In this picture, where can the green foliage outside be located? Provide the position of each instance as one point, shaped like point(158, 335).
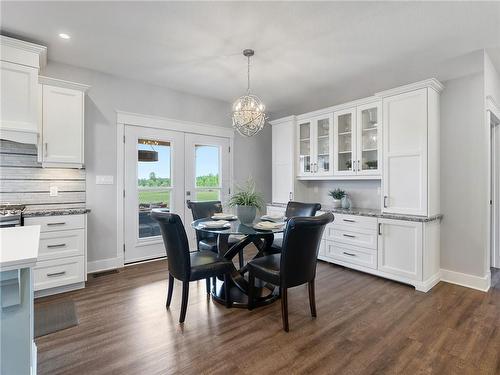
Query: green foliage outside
point(150, 191)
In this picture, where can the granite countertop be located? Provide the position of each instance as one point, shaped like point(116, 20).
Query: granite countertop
point(33, 212)
point(371, 213)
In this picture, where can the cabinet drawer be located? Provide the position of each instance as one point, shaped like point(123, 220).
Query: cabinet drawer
point(61, 244)
point(53, 223)
point(353, 221)
point(352, 254)
point(58, 272)
point(354, 236)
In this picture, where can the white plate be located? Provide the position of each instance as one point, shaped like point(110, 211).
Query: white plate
point(267, 225)
point(274, 218)
point(215, 224)
point(223, 217)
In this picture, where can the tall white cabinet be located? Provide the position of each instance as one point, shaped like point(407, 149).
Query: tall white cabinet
point(283, 156)
point(410, 183)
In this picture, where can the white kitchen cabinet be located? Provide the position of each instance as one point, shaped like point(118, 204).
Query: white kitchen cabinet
point(400, 248)
point(283, 156)
point(19, 65)
point(410, 181)
point(315, 146)
point(358, 140)
point(62, 261)
point(62, 141)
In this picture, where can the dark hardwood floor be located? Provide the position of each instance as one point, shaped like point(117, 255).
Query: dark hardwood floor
point(365, 325)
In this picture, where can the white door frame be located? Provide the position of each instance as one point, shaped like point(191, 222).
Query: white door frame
point(128, 118)
point(492, 120)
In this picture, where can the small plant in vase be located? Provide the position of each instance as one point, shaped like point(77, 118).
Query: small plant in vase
point(247, 200)
point(337, 196)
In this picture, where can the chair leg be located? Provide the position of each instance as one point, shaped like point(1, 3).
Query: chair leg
point(312, 298)
point(170, 289)
point(251, 290)
point(207, 280)
point(227, 287)
point(185, 294)
point(284, 308)
point(240, 256)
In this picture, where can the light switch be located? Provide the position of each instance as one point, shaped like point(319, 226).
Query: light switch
point(54, 191)
point(104, 180)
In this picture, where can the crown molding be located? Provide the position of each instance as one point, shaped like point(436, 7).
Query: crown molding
point(282, 120)
point(32, 48)
point(62, 83)
point(432, 83)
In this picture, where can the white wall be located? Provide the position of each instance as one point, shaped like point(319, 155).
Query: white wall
point(491, 80)
point(363, 194)
point(464, 176)
point(109, 93)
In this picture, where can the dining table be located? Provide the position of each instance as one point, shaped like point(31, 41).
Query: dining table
point(238, 282)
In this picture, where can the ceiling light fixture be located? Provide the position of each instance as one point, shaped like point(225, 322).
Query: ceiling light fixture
point(248, 110)
point(64, 36)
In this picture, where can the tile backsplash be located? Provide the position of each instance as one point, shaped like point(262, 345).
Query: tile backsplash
point(24, 181)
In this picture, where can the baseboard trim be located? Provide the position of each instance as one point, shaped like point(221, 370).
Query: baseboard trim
point(59, 289)
point(104, 265)
point(470, 281)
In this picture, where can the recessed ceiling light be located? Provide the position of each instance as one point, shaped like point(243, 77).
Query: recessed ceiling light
point(64, 36)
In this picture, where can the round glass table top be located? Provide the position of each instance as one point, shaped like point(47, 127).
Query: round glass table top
point(235, 227)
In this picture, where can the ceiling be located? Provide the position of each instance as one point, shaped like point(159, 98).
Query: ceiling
point(308, 54)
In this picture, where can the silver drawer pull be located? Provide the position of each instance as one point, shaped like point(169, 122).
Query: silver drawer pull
point(56, 274)
point(350, 254)
point(61, 223)
point(348, 235)
point(349, 220)
point(58, 245)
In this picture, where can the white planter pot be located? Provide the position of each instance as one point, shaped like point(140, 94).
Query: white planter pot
point(246, 214)
point(336, 203)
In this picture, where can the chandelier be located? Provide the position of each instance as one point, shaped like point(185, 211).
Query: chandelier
point(248, 111)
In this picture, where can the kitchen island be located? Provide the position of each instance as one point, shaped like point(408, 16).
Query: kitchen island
point(18, 255)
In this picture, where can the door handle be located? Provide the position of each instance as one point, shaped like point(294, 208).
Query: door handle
point(348, 235)
point(290, 196)
point(60, 223)
point(349, 220)
point(379, 229)
point(46, 146)
point(350, 254)
point(358, 166)
point(56, 274)
point(385, 201)
point(56, 246)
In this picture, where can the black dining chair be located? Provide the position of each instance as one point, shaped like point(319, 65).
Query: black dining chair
point(296, 265)
point(206, 240)
point(294, 209)
point(184, 265)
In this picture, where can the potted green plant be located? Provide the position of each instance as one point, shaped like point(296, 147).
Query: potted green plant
point(246, 200)
point(337, 196)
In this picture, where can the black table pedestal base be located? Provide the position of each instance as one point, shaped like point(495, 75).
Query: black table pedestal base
point(265, 295)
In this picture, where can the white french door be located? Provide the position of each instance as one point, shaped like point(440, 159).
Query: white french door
point(164, 169)
point(154, 178)
point(207, 173)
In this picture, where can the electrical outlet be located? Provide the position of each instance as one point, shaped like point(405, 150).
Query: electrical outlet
point(54, 191)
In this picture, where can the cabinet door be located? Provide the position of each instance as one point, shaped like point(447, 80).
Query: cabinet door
point(369, 139)
point(62, 125)
point(405, 153)
point(283, 156)
point(323, 144)
point(345, 142)
point(400, 248)
point(19, 102)
point(304, 148)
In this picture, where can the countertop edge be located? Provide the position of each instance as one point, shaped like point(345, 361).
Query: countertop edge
point(56, 212)
point(372, 213)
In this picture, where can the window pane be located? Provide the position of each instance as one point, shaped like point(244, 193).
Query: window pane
point(153, 183)
point(207, 195)
point(207, 166)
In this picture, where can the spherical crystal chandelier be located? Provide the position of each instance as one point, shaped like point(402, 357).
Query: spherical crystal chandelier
point(248, 111)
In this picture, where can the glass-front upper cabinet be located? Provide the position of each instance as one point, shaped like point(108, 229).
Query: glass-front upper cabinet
point(304, 134)
point(315, 145)
point(345, 142)
point(369, 148)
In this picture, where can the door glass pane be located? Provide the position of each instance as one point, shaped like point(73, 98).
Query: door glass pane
point(207, 167)
point(305, 147)
point(154, 182)
point(323, 145)
point(369, 141)
point(345, 142)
